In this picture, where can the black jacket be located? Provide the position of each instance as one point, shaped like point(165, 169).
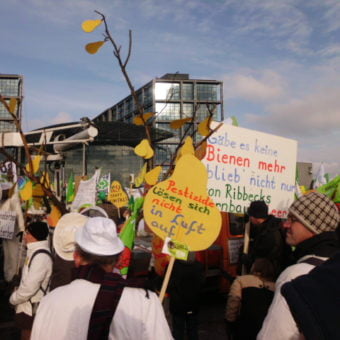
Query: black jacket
point(314, 301)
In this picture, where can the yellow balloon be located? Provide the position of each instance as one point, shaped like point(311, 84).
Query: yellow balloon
point(27, 191)
point(93, 47)
point(152, 176)
point(90, 25)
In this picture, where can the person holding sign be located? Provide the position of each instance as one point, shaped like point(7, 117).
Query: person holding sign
point(311, 224)
point(99, 304)
point(35, 277)
point(266, 238)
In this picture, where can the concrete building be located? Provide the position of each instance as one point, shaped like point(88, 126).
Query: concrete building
point(171, 97)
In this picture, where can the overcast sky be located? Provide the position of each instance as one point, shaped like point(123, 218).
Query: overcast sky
point(279, 60)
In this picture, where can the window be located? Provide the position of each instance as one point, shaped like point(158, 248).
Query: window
point(187, 91)
point(168, 111)
point(187, 110)
point(167, 91)
point(9, 87)
point(210, 92)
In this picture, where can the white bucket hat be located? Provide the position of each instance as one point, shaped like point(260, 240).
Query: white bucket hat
point(64, 234)
point(99, 237)
point(94, 211)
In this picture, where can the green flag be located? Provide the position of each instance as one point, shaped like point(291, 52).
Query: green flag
point(70, 191)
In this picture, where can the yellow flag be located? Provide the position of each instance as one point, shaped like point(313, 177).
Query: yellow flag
point(90, 25)
point(93, 47)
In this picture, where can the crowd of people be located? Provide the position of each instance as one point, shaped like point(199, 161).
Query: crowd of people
point(73, 290)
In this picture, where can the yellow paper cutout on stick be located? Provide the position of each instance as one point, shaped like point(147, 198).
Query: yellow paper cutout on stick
point(152, 176)
point(90, 25)
point(178, 123)
point(26, 192)
point(203, 127)
point(140, 177)
point(187, 148)
point(117, 195)
point(143, 149)
point(93, 47)
point(36, 164)
point(54, 216)
point(146, 116)
point(180, 207)
point(12, 105)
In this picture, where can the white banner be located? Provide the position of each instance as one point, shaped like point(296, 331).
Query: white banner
point(7, 224)
point(246, 165)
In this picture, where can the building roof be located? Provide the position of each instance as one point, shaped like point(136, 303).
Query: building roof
point(109, 133)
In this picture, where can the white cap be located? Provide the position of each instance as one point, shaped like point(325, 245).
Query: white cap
point(99, 237)
point(64, 234)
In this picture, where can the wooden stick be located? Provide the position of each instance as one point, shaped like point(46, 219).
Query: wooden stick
point(167, 278)
point(246, 244)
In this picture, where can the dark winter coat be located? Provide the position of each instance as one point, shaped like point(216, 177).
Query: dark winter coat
point(314, 301)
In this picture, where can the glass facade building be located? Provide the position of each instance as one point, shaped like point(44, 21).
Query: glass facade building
point(171, 97)
point(11, 86)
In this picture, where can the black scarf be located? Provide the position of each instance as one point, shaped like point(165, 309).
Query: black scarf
point(105, 305)
point(324, 245)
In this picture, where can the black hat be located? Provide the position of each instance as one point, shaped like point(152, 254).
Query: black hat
point(39, 230)
point(258, 209)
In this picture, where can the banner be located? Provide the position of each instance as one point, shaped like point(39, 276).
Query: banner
point(246, 165)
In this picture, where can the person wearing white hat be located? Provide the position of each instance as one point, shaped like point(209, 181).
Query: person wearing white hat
point(99, 304)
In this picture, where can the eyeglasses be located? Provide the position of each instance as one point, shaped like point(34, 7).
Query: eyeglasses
point(291, 219)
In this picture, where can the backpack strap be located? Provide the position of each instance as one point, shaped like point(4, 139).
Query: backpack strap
point(314, 261)
point(41, 251)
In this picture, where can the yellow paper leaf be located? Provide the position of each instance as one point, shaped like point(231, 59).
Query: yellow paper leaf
point(37, 190)
point(149, 153)
point(201, 150)
point(143, 149)
point(176, 124)
point(140, 177)
point(12, 105)
point(152, 176)
point(93, 47)
point(27, 191)
point(36, 164)
point(203, 127)
point(146, 116)
point(45, 179)
point(90, 25)
point(187, 147)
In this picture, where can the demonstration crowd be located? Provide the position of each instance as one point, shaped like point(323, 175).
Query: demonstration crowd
point(291, 291)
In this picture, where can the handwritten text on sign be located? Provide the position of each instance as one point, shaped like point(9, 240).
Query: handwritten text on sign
point(7, 224)
point(245, 165)
point(180, 208)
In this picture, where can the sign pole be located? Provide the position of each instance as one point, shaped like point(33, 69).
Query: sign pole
point(167, 278)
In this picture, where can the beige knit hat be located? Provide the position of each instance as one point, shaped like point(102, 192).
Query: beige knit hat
point(316, 212)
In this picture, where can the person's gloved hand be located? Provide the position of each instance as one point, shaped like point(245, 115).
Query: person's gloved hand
point(245, 259)
point(15, 282)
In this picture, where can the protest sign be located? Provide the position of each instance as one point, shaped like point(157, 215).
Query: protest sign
point(117, 195)
point(7, 224)
point(180, 208)
point(86, 193)
point(246, 165)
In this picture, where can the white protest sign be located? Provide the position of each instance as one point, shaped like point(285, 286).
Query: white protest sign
point(86, 193)
point(246, 165)
point(7, 224)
